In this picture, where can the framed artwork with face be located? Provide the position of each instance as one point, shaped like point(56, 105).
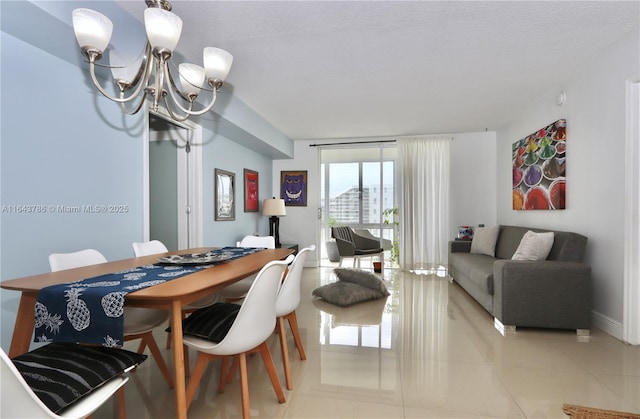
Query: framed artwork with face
point(293, 187)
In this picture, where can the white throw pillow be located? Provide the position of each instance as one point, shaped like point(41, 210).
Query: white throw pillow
point(484, 240)
point(534, 246)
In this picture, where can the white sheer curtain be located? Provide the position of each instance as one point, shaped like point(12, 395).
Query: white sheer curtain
point(423, 164)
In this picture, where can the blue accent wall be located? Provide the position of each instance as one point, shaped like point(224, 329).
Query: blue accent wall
point(66, 152)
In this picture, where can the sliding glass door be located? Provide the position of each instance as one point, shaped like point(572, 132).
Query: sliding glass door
point(358, 185)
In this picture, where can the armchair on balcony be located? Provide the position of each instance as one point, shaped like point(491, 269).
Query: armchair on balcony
point(355, 246)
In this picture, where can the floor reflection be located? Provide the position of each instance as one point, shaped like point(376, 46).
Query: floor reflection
point(426, 351)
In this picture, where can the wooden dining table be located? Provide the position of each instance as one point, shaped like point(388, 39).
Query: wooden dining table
point(171, 295)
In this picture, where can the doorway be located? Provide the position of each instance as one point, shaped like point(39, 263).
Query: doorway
point(173, 209)
point(631, 309)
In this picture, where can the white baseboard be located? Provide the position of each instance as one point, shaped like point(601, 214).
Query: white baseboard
point(607, 325)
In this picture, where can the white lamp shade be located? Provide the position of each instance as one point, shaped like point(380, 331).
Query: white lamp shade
point(217, 63)
point(93, 30)
point(191, 78)
point(163, 28)
point(273, 207)
point(123, 66)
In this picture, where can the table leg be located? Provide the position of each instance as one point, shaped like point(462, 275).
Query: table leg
point(178, 360)
point(25, 323)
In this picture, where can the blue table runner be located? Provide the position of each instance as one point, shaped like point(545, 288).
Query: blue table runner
point(91, 310)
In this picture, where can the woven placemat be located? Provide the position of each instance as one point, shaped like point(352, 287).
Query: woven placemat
point(583, 412)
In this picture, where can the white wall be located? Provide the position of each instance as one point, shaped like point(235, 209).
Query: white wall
point(473, 176)
point(595, 114)
point(301, 223)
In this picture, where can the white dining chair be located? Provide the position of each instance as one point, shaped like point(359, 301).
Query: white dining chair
point(147, 248)
point(254, 323)
point(138, 322)
point(238, 290)
point(286, 304)
point(19, 401)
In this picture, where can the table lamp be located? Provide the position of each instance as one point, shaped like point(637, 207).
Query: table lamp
point(274, 208)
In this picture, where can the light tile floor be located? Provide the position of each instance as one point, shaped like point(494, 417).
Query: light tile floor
point(428, 351)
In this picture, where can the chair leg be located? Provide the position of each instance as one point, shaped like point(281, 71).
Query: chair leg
point(201, 364)
point(244, 385)
point(122, 411)
point(233, 369)
point(271, 370)
point(285, 353)
point(141, 346)
point(187, 370)
point(168, 343)
point(155, 351)
point(184, 315)
point(293, 324)
point(223, 373)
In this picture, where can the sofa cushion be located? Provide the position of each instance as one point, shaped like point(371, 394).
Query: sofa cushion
point(484, 240)
point(476, 268)
point(534, 246)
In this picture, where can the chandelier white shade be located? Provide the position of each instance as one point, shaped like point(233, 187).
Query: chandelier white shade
point(149, 74)
point(217, 63)
point(163, 29)
point(121, 69)
point(93, 30)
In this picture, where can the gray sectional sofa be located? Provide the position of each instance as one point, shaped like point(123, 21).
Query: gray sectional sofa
point(552, 293)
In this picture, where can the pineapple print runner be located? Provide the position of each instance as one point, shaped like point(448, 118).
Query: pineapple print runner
point(91, 310)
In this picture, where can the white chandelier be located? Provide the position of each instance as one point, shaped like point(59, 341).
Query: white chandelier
point(133, 76)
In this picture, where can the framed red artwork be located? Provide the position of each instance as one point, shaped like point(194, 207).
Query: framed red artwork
point(251, 199)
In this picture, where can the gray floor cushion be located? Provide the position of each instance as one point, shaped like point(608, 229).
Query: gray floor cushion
point(353, 286)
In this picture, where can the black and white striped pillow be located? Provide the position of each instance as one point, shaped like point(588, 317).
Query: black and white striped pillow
point(61, 373)
point(212, 322)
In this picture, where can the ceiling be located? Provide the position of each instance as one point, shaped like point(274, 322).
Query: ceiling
point(349, 69)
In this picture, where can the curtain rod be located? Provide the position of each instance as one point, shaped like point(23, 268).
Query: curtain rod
point(360, 142)
point(354, 142)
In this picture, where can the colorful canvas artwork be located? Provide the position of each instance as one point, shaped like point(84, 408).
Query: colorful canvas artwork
point(539, 167)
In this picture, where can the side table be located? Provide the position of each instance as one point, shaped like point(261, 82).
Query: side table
point(291, 246)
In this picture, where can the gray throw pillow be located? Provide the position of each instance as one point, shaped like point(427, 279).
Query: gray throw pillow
point(364, 278)
point(484, 240)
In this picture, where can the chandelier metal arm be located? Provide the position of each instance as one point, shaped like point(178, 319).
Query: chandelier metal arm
point(144, 72)
point(122, 98)
point(175, 116)
point(172, 89)
point(135, 109)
